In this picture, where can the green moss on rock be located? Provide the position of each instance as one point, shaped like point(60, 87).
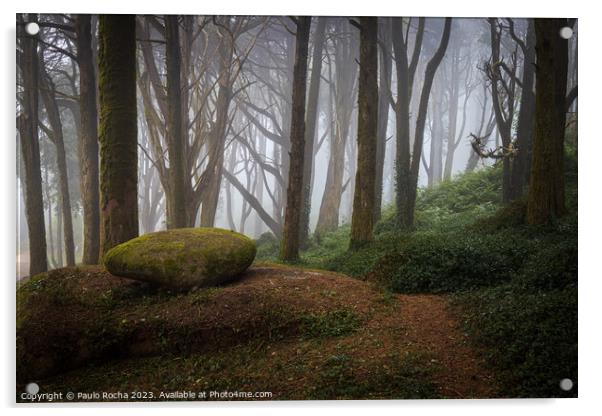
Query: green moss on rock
point(183, 258)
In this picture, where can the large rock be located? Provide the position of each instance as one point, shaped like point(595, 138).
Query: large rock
point(183, 258)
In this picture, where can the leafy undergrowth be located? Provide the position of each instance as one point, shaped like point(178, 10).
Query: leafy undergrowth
point(513, 286)
point(299, 334)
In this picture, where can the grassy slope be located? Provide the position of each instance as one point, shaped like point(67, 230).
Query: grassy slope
point(513, 286)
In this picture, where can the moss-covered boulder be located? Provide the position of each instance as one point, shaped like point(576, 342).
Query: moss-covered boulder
point(183, 258)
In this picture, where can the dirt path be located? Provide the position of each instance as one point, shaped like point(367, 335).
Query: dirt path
point(430, 325)
point(422, 323)
point(297, 332)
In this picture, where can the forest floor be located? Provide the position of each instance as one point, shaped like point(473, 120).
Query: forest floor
point(297, 333)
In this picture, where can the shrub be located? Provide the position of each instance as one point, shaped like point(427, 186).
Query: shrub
point(528, 337)
point(267, 246)
point(448, 262)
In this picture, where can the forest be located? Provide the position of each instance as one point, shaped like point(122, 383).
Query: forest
point(296, 207)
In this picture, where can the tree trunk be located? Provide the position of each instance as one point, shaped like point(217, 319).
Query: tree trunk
point(436, 153)
point(454, 98)
point(231, 168)
point(176, 200)
point(521, 163)
point(402, 122)
point(59, 237)
point(310, 127)
point(52, 111)
point(88, 143)
point(408, 200)
point(385, 71)
point(546, 190)
point(294, 193)
point(50, 233)
point(27, 124)
point(363, 197)
point(118, 130)
point(274, 226)
point(344, 92)
point(259, 189)
point(218, 134)
point(504, 121)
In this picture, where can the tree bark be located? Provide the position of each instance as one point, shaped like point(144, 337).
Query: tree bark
point(88, 143)
point(546, 187)
point(310, 126)
point(435, 173)
point(453, 107)
point(27, 124)
point(402, 121)
point(521, 163)
point(408, 187)
point(118, 130)
point(219, 131)
point(274, 226)
point(503, 118)
point(176, 201)
point(52, 111)
point(385, 71)
point(294, 194)
point(362, 220)
point(344, 95)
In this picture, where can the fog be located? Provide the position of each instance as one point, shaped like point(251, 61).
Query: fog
point(236, 82)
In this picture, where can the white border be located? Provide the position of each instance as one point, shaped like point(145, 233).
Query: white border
point(589, 196)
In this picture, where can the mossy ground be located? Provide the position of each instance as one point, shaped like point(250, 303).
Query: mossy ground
point(299, 334)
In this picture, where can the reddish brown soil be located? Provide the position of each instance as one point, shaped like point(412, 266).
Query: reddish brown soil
point(430, 325)
point(287, 361)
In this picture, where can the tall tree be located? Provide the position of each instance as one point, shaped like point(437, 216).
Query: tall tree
point(217, 138)
point(118, 129)
point(362, 220)
point(344, 91)
point(310, 124)
point(55, 134)
point(27, 124)
point(546, 186)
point(384, 75)
point(524, 132)
point(292, 217)
point(88, 143)
point(503, 94)
point(437, 131)
point(407, 164)
point(176, 200)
